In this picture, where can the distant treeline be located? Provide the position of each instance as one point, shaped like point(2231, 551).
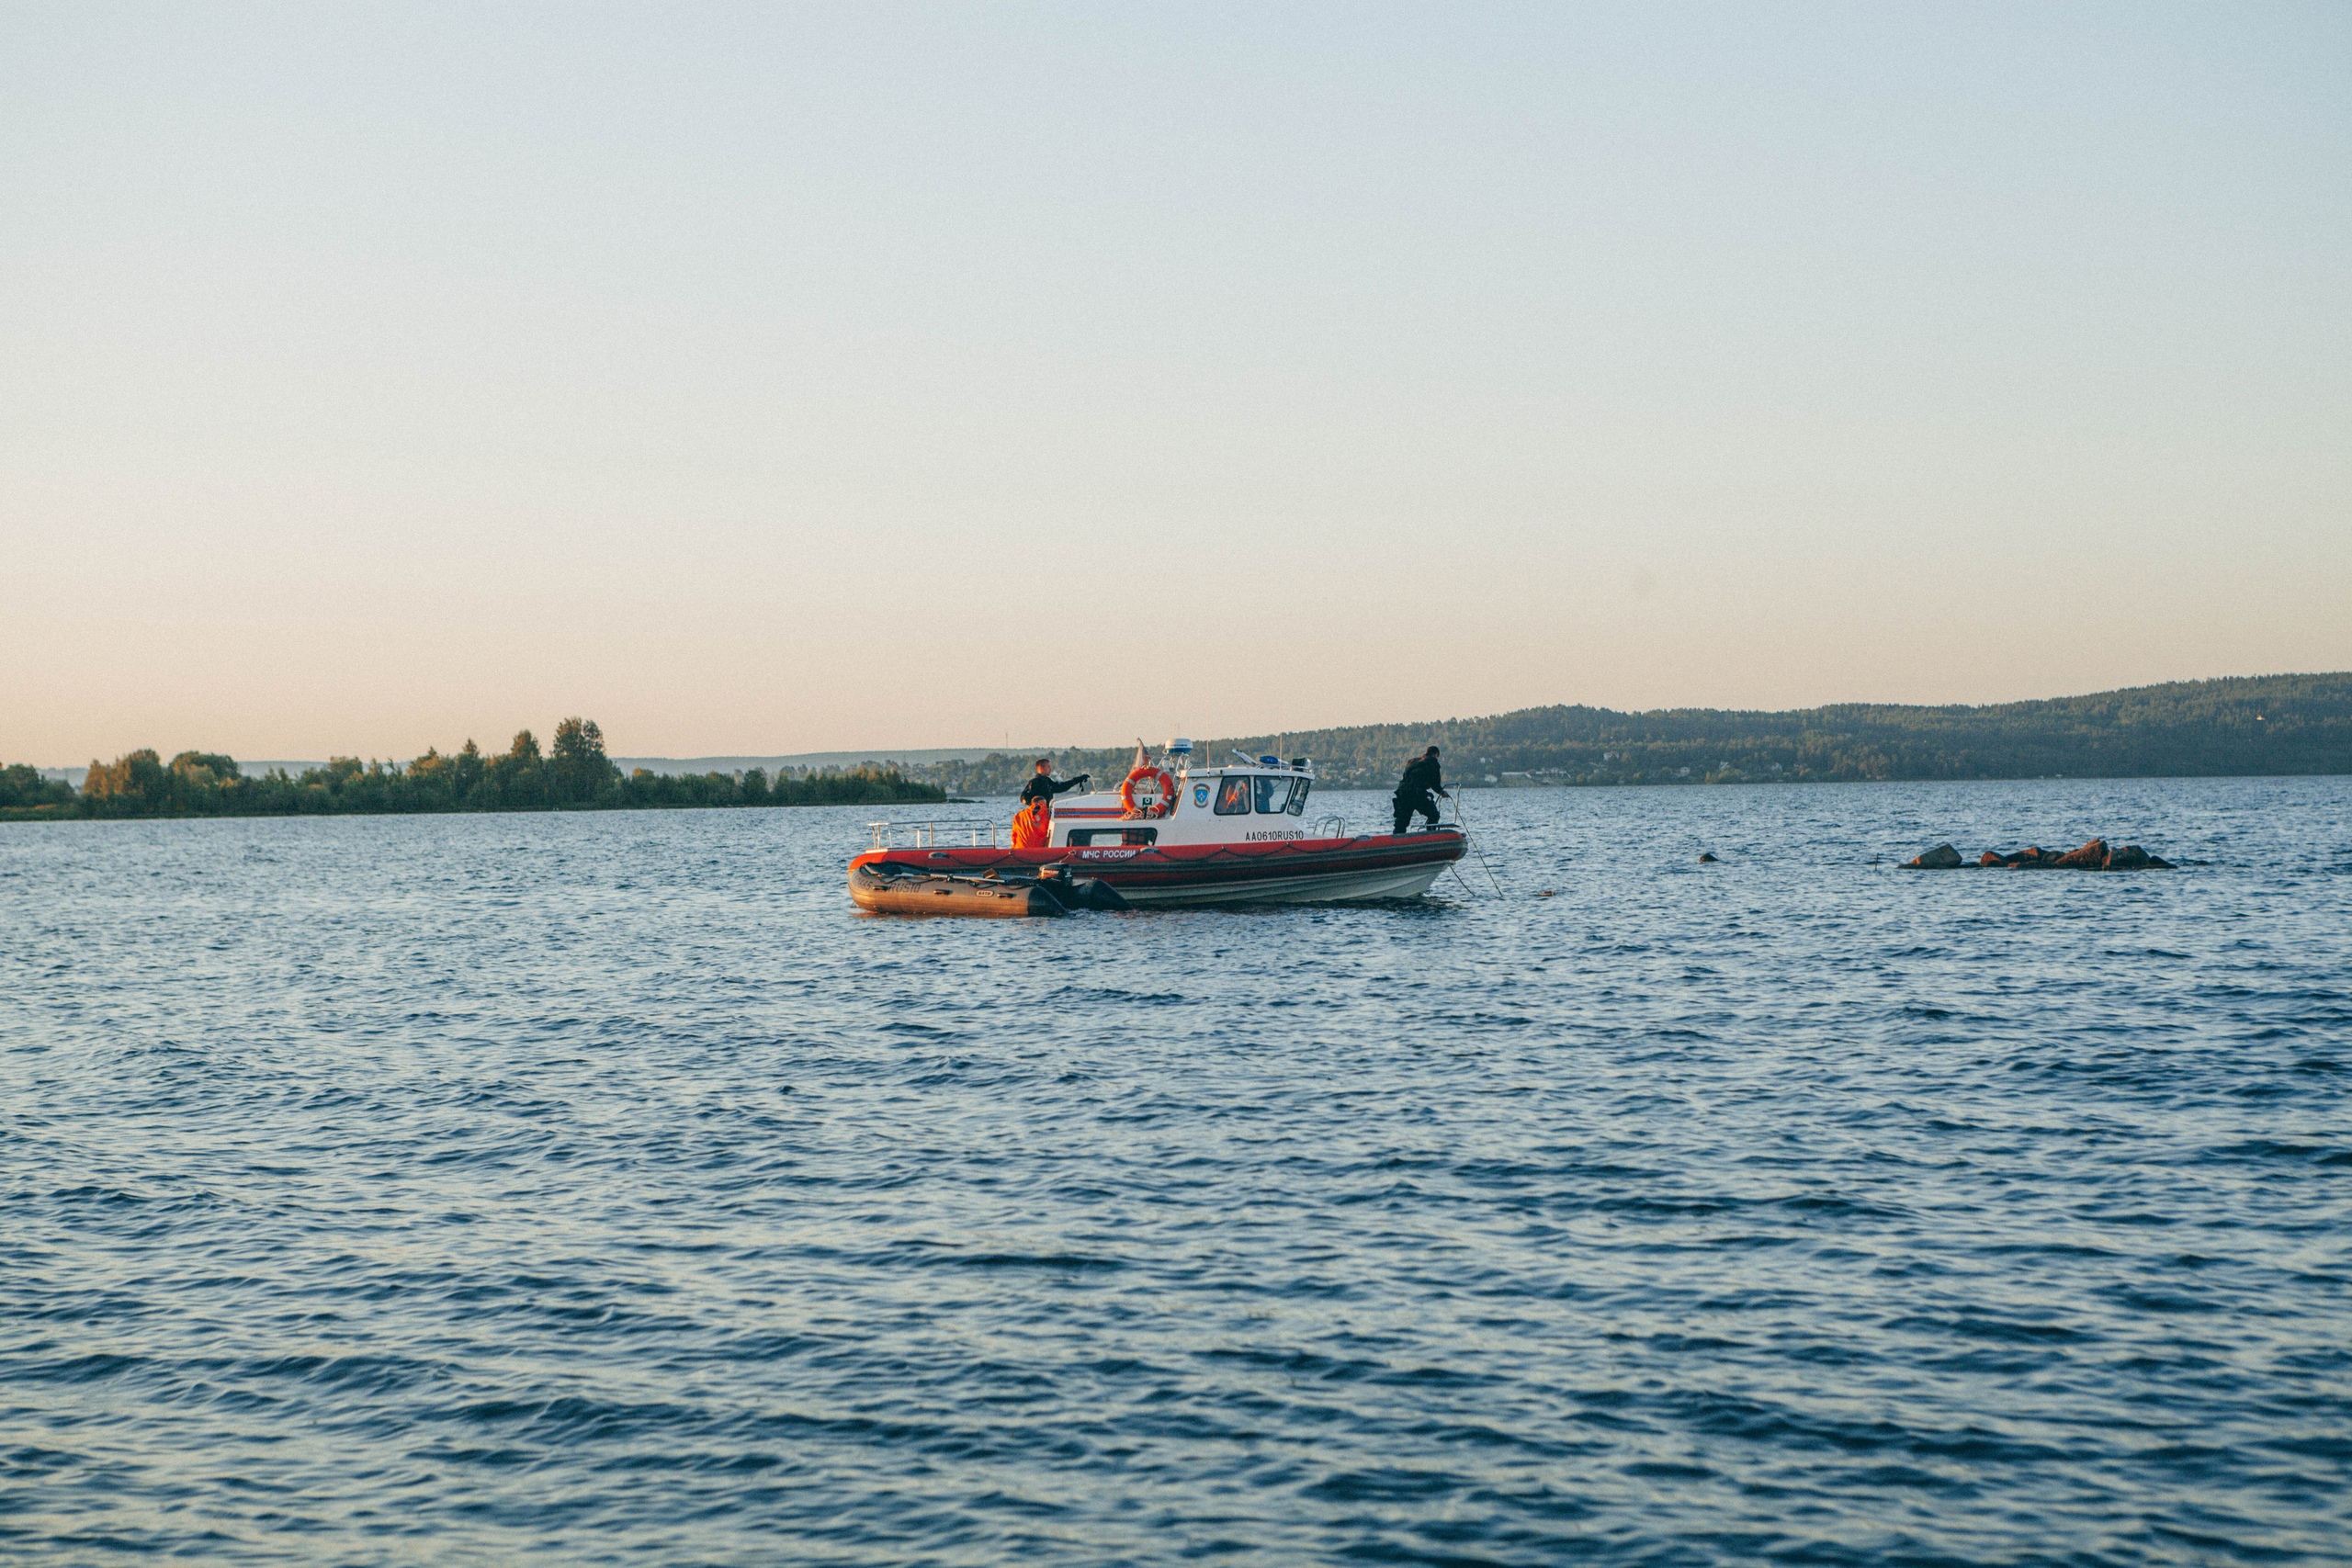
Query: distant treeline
point(2264, 725)
point(575, 776)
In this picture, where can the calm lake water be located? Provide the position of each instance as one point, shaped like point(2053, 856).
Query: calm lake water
point(604, 1188)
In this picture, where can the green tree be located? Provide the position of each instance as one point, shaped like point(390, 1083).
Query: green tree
point(517, 781)
point(579, 771)
point(133, 785)
point(465, 770)
point(23, 789)
point(201, 768)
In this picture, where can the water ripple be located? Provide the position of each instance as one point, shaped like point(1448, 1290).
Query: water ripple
point(603, 1189)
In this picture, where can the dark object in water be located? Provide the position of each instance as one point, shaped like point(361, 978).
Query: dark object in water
point(1708, 859)
point(889, 891)
point(1943, 857)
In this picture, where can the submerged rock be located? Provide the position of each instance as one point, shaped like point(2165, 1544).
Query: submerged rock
point(1707, 859)
point(1943, 857)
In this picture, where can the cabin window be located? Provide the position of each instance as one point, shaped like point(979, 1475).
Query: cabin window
point(1298, 796)
point(1082, 837)
point(1273, 796)
point(1233, 797)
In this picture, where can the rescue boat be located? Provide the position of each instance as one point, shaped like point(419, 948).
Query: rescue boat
point(1173, 833)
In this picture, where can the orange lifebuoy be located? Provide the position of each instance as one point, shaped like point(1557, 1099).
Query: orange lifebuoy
point(1167, 792)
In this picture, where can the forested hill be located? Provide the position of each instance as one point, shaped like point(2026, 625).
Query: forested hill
point(2270, 724)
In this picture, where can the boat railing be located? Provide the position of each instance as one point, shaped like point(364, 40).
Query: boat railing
point(1332, 827)
point(978, 832)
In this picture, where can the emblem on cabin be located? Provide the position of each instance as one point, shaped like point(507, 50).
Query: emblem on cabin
point(1200, 794)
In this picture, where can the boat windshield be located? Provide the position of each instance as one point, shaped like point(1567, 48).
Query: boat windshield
point(1273, 796)
point(1298, 797)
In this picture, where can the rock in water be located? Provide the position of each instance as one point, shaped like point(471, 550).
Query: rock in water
point(1707, 860)
point(2096, 855)
point(2090, 857)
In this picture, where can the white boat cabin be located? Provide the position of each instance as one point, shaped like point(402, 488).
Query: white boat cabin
point(1250, 801)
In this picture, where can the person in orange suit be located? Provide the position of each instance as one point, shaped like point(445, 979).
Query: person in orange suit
point(1033, 824)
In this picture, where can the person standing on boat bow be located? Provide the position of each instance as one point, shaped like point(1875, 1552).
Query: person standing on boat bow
point(1033, 824)
point(1413, 791)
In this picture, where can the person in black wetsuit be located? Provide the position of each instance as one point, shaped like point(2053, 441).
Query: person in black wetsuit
point(1414, 789)
point(1044, 787)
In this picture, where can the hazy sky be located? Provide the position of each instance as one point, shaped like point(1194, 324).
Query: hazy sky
point(770, 379)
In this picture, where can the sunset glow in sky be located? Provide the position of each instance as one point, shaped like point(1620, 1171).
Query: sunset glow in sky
point(762, 379)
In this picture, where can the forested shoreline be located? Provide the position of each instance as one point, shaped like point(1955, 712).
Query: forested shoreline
point(2252, 725)
point(2268, 724)
point(574, 774)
